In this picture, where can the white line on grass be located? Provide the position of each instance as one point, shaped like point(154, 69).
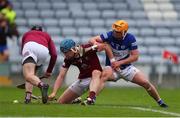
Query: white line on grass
point(148, 109)
point(157, 111)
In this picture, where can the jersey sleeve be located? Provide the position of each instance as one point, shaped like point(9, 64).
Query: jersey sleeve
point(89, 47)
point(133, 43)
point(53, 54)
point(22, 42)
point(105, 36)
point(66, 63)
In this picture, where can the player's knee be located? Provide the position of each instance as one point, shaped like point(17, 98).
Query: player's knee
point(147, 85)
point(106, 74)
point(28, 77)
point(96, 73)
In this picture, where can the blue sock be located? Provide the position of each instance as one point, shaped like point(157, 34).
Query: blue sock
point(160, 102)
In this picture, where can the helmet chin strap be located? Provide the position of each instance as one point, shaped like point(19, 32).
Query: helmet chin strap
point(124, 34)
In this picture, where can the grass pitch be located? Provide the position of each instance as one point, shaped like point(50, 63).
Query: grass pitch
point(112, 102)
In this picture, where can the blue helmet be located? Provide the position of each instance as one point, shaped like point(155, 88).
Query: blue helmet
point(66, 45)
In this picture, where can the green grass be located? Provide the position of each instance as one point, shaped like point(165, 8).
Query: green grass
point(111, 102)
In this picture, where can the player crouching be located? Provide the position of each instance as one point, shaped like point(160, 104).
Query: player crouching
point(86, 59)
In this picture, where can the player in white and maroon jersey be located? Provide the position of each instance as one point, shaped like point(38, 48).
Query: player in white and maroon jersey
point(36, 47)
point(86, 59)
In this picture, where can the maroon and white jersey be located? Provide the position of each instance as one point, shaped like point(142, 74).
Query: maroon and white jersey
point(44, 39)
point(86, 63)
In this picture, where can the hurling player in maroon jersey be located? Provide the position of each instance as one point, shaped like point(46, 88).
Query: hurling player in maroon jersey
point(36, 46)
point(86, 59)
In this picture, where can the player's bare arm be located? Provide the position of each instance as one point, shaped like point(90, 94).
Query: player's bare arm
point(134, 54)
point(104, 46)
point(58, 82)
point(101, 47)
point(95, 40)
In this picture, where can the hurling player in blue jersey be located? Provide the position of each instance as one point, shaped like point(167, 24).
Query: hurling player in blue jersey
point(125, 51)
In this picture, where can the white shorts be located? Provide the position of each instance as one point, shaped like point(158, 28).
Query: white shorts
point(37, 51)
point(80, 86)
point(127, 74)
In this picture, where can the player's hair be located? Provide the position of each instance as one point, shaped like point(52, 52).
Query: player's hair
point(37, 28)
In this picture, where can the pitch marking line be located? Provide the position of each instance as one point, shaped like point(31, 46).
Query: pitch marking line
point(157, 111)
point(148, 109)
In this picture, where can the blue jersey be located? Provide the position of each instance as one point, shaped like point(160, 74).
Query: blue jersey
point(121, 48)
point(3, 48)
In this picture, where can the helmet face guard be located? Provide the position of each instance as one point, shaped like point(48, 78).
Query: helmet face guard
point(119, 34)
point(117, 28)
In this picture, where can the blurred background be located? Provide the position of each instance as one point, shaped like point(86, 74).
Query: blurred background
point(155, 24)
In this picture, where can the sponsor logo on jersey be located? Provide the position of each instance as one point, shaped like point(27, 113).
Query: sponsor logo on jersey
point(120, 54)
